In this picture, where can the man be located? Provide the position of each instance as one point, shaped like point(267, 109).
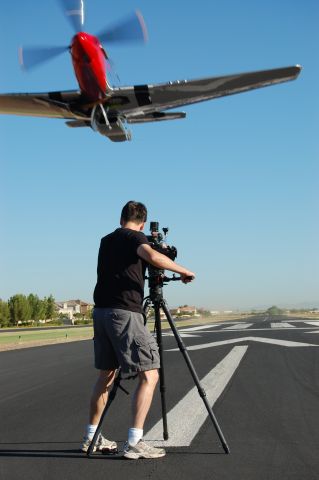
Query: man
point(120, 336)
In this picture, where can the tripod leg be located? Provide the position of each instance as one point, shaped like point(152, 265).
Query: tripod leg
point(191, 368)
point(146, 308)
point(161, 371)
point(112, 395)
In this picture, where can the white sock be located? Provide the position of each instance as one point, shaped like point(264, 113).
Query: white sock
point(90, 431)
point(134, 436)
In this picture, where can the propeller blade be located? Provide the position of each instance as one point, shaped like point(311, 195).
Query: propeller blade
point(34, 56)
point(74, 11)
point(109, 65)
point(130, 29)
point(111, 68)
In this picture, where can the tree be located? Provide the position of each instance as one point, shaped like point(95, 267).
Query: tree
point(19, 309)
point(203, 312)
point(274, 310)
point(37, 307)
point(50, 312)
point(89, 314)
point(4, 314)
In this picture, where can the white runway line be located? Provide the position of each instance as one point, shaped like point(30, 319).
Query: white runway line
point(281, 325)
point(182, 334)
point(239, 326)
point(189, 414)
point(194, 329)
point(316, 324)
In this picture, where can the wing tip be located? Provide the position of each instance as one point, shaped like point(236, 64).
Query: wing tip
point(295, 70)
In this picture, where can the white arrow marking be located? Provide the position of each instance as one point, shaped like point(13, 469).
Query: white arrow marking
point(316, 324)
point(315, 331)
point(281, 325)
point(284, 343)
point(189, 414)
point(239, 326)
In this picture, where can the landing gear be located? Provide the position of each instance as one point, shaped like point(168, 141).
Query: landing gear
point(109, 126)
point(98, 111)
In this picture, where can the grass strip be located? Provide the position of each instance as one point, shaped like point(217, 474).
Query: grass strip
point(23, 337)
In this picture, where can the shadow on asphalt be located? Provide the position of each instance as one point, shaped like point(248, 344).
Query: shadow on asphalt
point(20, 451)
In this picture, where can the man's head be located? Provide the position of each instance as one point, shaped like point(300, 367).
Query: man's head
point(134, 214)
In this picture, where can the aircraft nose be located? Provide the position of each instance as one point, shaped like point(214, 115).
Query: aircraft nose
point(79, 45)
point(80, 40)
point(82, 37)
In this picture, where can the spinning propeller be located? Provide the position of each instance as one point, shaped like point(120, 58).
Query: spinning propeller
point(130, 29)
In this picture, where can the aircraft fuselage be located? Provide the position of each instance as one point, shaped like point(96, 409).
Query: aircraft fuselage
point(88, 58)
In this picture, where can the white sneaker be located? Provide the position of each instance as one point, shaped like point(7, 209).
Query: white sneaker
point(142, 450)
point(102, 445)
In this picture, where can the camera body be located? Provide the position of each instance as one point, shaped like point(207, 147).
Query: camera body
point(158, 243)
point(156, 276)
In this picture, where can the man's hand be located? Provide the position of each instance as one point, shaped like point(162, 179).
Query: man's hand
point(187, 277)
point(161, 261)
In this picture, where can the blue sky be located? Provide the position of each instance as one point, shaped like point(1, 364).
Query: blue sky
point(236, 181)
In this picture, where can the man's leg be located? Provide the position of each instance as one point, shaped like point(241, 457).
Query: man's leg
point(135, 448)
point(141, 403)
point(98, 401)
point(143, 397)
point(100, 395)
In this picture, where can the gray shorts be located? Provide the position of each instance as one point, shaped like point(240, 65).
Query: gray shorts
point(122, 339)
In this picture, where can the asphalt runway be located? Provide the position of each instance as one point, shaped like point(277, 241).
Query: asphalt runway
point(261, 375)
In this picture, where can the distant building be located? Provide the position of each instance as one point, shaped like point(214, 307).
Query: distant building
point(70, 307)
point(186, 310)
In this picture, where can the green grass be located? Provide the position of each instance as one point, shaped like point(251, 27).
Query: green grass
point(43, 335)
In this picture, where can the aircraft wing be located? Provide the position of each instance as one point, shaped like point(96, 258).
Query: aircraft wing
point(137, 104)
point(51, 105)
point(142, 100)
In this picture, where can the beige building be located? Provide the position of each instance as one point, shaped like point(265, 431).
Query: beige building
point(70, 307)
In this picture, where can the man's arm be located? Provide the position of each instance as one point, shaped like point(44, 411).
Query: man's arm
point(158, 260)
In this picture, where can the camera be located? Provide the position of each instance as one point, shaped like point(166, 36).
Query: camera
point(156, 276)
point(158, 241)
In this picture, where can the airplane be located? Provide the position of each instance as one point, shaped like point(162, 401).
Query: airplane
point(108, 109)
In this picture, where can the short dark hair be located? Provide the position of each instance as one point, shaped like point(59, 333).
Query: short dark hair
point(134, 212)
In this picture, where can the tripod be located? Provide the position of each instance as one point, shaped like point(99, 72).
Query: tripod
point(156, 299)
point(157, 280)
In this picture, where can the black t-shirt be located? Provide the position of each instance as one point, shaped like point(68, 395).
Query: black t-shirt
point(120, 271)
